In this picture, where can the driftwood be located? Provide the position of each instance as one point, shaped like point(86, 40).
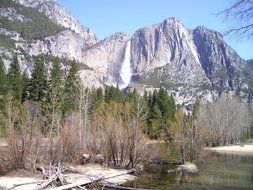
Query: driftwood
point(90, 181)
point(112, 186)
point(28, 183)
point(54, 175)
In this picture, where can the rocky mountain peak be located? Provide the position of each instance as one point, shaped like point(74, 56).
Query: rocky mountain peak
point(34, 3)
point(171, 21)
point(211, 34)
point(166, 43)
point(118, 36)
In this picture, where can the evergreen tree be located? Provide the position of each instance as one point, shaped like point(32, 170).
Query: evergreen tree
point(166, 105)
point(56, 77)
point(117, 95)
point(98, 100)
point(113, 94)
point(155, 122)
point(14, 79)
point(161, 110)
point(38, 83)
point(71, 89)
point(25, 82)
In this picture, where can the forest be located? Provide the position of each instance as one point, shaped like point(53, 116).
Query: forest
point(52, 117)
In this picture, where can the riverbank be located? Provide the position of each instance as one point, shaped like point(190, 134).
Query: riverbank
point(234, 149)
point(73, 174)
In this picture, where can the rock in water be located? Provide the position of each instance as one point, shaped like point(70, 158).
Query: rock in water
point(187, 168)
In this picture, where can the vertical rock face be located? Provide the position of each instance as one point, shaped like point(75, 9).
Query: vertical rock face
point(107, 56)
point(165, 55)
point(161, 44)
point(220, 63)
point(66, 44)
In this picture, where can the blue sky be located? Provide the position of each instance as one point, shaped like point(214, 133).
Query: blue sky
point(106, 17)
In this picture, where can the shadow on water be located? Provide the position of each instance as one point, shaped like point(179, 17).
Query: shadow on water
point(217, 172)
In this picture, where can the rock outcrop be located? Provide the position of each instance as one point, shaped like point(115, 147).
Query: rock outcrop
point(161, 44)
point(66, 44)
point(219, 61)
point(107, 56)
point(59, 15)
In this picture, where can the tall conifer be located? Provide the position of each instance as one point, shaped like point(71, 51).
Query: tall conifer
point(14, 78)
point(71, 89)
point(38, 82)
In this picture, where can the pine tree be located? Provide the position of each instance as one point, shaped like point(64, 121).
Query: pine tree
point(38, 83)
point(56, 77)
point(117, 95)
point(161, 110)
point(25, 82)
point(156, 117)
point(113, 94)
point(71, 88)
point(14, 78)
point(166, 104)
point(98, 100)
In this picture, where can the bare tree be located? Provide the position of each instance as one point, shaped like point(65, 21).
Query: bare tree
point(240, 11)
point(140, 111)
point(34, 117)
point(189, 135)
point(117, 135)
point(84, 103)
point(226, 119)
point(11, 109)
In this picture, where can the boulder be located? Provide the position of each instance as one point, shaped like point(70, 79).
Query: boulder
point(187, 168)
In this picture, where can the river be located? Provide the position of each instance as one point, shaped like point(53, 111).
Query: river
point(217, 172)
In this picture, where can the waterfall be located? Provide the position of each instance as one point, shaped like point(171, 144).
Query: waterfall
point(125, 71)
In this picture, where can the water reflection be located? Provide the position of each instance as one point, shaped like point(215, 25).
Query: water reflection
point(216, 172)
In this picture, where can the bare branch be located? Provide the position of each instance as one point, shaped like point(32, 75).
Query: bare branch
point(241, 12)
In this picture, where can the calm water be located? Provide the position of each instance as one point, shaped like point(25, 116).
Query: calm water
point(217, 172)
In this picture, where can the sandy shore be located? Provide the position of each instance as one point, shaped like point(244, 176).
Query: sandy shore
point(85, 172)
point(234, 149)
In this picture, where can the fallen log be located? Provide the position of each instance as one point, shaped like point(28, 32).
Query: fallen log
point(76, 184)
point(28, 183)
point(112, 186)
point(90, 181)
